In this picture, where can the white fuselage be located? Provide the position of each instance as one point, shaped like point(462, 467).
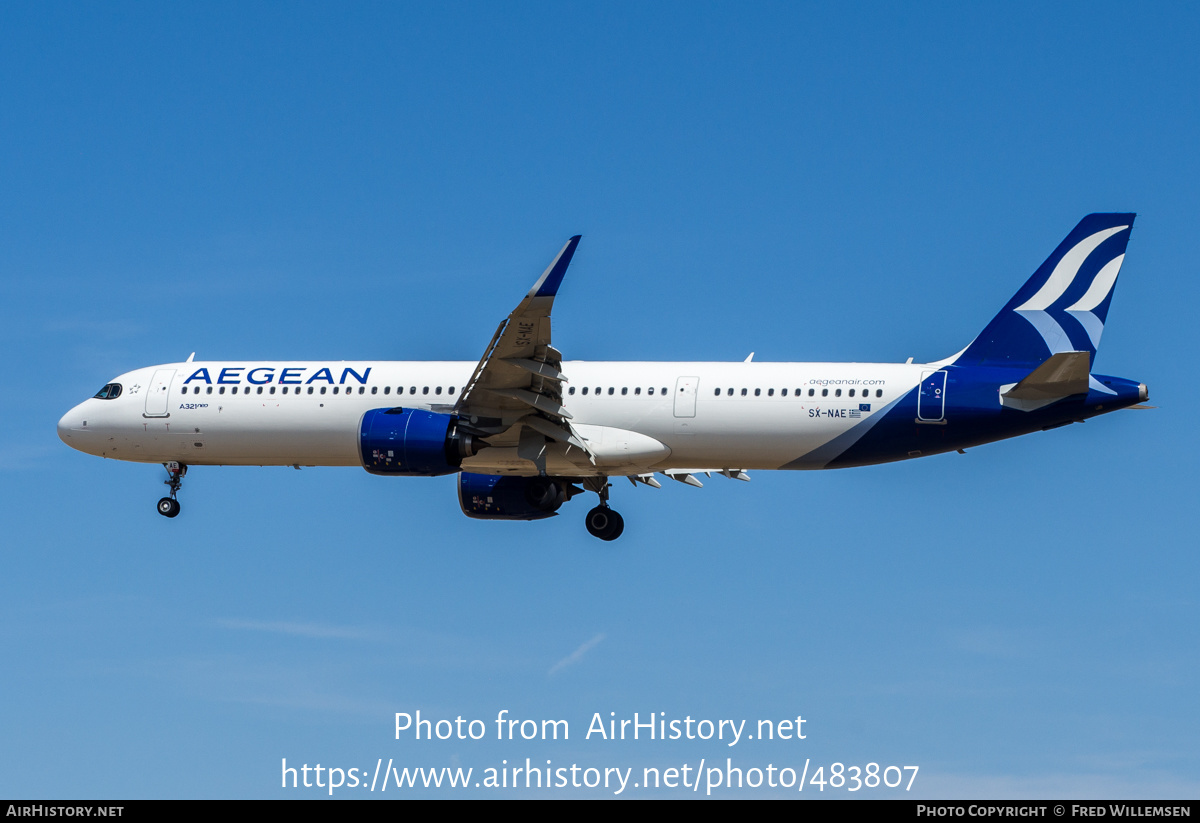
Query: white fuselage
point(697, 415)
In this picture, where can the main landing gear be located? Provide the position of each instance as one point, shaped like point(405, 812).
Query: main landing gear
point(602, 521)
point(169, 506)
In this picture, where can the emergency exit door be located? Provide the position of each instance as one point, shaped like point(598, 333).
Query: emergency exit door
point(685, 396)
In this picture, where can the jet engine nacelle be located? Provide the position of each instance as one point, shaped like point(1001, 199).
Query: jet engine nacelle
point(504, 497)
point(412, 442)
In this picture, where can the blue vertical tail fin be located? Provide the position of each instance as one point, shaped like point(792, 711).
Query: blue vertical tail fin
point(1063, 306)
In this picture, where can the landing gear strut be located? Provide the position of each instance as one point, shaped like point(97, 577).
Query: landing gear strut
point(169, 506)
point(602, 521)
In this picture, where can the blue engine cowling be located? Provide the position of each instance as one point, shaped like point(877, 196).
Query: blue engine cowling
point(496, 497)
point(412, 442)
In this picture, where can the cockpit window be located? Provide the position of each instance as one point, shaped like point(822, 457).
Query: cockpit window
point(109, 392)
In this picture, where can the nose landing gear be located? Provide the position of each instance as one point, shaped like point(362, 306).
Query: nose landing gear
point(169, 506)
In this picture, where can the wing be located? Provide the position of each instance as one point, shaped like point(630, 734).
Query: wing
point(514, 397)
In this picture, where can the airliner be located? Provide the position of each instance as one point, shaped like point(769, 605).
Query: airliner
point(526, 430)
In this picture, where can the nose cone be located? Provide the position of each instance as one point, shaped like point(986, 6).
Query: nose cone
point(72, 428)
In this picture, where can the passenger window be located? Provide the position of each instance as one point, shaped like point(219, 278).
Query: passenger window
point(783, 392)
point(650, 390)
point(386, 390)
point(638, 390)
point(272, 389)
point(837, 393)
point(824, 392)
point(208, 390)
point(335, 389)
point(571, 390)
point(310, 388)
point(584, 389)
point(716, 392)
point(879, 392)
point(374, 390)
point(624, 391)
point(610, 390)
point(438, 390)
point(744, 392)
point(260, 390)
point(412, 389)
point(450, 390)
point(323, 389)
point(757, 392)
point(425, 390)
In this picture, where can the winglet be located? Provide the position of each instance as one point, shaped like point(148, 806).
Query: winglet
point(547, 285)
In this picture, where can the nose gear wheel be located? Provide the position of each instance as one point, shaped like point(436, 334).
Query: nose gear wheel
point(169, 506)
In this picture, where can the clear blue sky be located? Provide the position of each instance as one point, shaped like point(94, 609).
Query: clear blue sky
point(810, 182)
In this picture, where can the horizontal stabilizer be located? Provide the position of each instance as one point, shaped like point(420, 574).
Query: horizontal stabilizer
point(1062, 375)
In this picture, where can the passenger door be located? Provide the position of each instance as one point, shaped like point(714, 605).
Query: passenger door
point(158, 393)
point(931, 402)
